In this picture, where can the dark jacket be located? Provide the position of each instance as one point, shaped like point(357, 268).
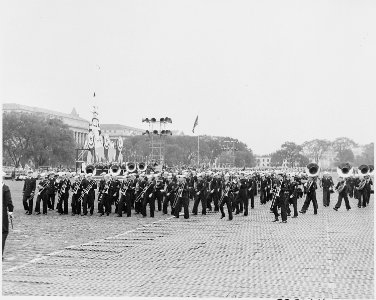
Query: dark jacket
point(7, 205)
point(29, 186)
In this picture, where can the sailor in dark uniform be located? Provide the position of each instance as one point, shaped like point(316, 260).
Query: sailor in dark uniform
point(7, 212)
point(28, 192)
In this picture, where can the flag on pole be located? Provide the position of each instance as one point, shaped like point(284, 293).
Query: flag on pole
point(195, 124)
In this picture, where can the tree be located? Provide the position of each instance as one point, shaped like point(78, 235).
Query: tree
point(292, 152)
point(45, 141)
point(301, 161)
point(315, 148)
point(341, 146)
point(367, 156)
point(278, 157)
point(16, 136)
point(345, 156)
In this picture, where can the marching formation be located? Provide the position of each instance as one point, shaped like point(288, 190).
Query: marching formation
point(210, 190)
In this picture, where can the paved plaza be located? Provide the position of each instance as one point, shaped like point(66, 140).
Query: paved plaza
point(329, 255)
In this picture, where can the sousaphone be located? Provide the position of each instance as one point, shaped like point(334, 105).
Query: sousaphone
point(344, 170)
point(114, 170)
point(312, 170)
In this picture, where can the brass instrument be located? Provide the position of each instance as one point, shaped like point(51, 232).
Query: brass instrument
point(312, 170)
point(341, 187)
point(224, 193)
point(77, 187)
point(344, 170)
point(124, 189)
point(64, 186)
point(275, 195)
point(115, 170)
point(86, 191)
point(362, 184)
point(178, 194)
point(371, 170)
point(141, 195)
point(130, 167)
point(363, 170)
point(105, 190)
point(41, 188)
point(141, 166)
point(90, 169)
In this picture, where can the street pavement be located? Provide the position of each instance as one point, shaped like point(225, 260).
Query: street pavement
point(329, 255)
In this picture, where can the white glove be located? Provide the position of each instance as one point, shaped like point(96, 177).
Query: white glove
point(151, 195)
point(198, 193)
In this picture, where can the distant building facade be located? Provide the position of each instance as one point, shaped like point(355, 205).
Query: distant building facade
point(78, 125)
point(114, 131)
point(263, 161)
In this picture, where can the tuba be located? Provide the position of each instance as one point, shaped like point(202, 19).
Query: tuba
point(363, 170)
point(371, 170)
point(114, 170)
point(312, 170)
point(130, 167)
point(344, 170)
point(141, 166)
point(90, 169)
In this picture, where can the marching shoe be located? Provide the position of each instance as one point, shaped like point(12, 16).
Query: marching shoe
point(37, 213)
point(222, 216)
point(276, 220)
point(284, 221)
point(359, 206)
point(294, 216)
point(72, 214)
point(45, 213)
point(335, 208)
point(302, 212)
point(349, 208)
point(230, 219)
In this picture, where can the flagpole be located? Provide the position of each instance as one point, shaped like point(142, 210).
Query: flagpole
point(198, 150)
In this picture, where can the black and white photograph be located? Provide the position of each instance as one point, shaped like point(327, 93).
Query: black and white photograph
point(188, 148)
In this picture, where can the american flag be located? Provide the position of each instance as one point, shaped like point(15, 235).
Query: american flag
point(195, 124)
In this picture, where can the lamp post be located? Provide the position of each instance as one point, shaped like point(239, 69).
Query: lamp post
point(232, 150)
point(157, 138)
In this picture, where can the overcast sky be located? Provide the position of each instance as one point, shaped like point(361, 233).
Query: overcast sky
point(264, 72)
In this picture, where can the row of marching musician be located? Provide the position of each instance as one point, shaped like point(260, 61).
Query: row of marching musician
point(286, 191)
point(174, 192)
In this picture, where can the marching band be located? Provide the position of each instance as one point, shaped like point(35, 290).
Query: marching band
point(175, 191)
